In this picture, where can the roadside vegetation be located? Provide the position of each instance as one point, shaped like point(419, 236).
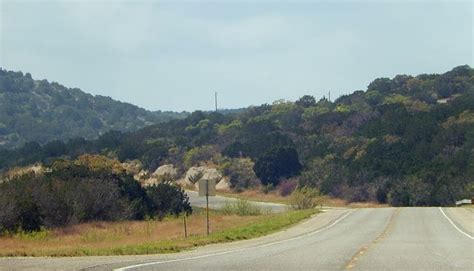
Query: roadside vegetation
point(275, 197)
point(242, 208)
point(147, 236)
point(92, 206)
point(90, 188)
point(305, 198)
point(404, 141)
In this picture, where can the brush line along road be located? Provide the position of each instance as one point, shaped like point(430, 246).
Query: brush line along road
point(340, 239)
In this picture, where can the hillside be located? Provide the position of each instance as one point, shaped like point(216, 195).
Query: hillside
point(40, 111)
point(408, 140)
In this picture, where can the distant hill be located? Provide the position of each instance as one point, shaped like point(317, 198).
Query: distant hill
point(407, 140)
point(37, 110)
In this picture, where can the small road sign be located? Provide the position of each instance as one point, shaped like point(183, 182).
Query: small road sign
point(207, 188)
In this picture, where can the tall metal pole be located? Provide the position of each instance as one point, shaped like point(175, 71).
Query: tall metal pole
point(207, 205)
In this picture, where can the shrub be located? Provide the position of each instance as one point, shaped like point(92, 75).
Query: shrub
point(168, 198)
point(241, 208)
point(305, 198)
point(75, 192)
point(286, 187)
point(198, 155)
point(19, 210)
point(267, 188)
point(240, 172)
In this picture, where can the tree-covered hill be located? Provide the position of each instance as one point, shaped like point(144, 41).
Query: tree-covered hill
point(408, 140)
point(33, 110)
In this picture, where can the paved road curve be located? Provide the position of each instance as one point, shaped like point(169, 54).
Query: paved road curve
point(218, 202)
point(364, 239)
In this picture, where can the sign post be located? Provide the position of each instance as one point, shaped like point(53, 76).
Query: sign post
point(207, 188)
point(207, 206)
point(185, 228)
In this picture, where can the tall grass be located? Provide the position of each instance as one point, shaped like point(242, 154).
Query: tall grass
point(305, 198)
point(40, 235)
point(241, 208)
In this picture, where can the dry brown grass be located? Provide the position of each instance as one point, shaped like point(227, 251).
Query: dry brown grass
point(144, 237)
point(102, 235)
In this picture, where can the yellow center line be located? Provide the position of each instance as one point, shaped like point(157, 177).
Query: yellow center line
point(361, 251)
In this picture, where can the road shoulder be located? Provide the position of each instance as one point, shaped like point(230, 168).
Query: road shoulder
point(316, 222)
point(462, 217)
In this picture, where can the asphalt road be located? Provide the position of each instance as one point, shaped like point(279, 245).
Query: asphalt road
point(340, 239)
point(217, 202)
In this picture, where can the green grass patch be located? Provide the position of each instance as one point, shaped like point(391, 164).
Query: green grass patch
point(40, 235)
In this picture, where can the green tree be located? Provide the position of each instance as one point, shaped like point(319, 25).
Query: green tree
point(306, 101)
point(240, 172)
point(199, 154)
point(168, 198)
point(277, 163)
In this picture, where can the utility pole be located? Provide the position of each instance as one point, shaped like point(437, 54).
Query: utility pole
point(215, 99)
point(329, 95)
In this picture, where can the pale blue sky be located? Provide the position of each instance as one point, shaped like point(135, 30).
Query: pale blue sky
point(173, 55)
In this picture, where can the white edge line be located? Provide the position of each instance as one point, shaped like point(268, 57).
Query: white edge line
point(237, 250)
point(452, 223)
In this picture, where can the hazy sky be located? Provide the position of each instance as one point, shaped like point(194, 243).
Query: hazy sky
point(173, 55)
